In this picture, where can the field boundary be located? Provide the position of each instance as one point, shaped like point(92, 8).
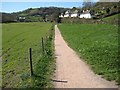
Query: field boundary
point(44, 41)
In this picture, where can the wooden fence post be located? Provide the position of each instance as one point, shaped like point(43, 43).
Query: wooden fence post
point(43, 45)
point(46, 37)
point(31, 67)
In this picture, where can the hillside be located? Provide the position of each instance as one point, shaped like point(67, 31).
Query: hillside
point(34, 14)
point(112, 19)
point(105, 9)
point(41, 11)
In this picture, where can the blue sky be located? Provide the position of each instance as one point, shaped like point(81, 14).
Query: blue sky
point(19, 6)
point(15, 6)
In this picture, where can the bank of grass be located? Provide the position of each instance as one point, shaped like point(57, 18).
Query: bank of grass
point(97, 44)
point(17, 39)
point(114, 19)
point(116, 16)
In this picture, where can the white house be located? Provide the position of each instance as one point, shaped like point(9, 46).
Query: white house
point(21, 19)
point(61, 15)
point(74, 14)
point(85, 14)
point(67, 14)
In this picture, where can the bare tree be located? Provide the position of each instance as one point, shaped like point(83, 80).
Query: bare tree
point(87, 4)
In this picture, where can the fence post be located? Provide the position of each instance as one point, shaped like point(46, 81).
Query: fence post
point(46, 37)
point(43, 45)
point(31, 67)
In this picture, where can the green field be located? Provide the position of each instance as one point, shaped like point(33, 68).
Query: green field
point(17, 38)
point(97, 44)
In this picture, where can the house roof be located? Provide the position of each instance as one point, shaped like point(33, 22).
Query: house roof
point(67, 12)
point(86, 12)
point(71, 12)
point(76, 11)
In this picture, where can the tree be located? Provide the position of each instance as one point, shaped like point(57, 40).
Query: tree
point(108, 10)
point(58, 20)
point(87, 4)
point(92, 12)
point(74, 8)
point(44, 17)
point(6, 17)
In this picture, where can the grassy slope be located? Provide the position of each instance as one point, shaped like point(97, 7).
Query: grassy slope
point(97, 44)
point(112, 19)
point(17, 38)
point(34, 18)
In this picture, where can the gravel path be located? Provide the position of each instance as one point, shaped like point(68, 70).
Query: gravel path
point(71, 71)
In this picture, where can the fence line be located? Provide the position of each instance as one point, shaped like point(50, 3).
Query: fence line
point(43, 42)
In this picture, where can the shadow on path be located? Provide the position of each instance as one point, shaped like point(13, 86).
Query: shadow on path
point(63, 81)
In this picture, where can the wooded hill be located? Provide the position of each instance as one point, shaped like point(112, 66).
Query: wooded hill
point(35, 14)
point(98, 10)
point(105, 9)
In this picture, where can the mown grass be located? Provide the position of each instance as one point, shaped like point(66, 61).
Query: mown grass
point(17, 38)
point(97, 44)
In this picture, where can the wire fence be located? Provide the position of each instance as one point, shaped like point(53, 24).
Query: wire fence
point(40, 51)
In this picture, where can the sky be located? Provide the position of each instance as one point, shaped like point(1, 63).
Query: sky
point(10, 7)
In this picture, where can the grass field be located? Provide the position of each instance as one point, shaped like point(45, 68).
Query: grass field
point(97, 44)
point(17, 38)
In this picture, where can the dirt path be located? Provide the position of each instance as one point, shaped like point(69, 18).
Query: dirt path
point(71, 71)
